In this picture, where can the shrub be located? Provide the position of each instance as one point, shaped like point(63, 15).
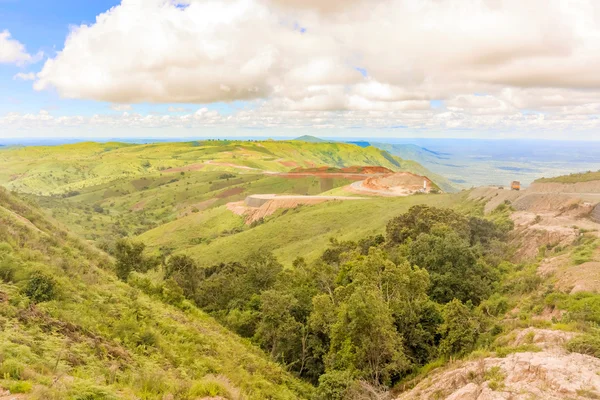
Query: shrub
point(502, 352)
point(84, 391)
point(20, 387)
point(7, 271)
point(495, 378)
point(586, 344)
point(334, 385)
point(209, 387)
point(172, 293)
point(40, 288)
point(11, 369)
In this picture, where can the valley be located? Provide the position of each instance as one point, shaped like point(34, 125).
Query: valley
point(299, 200)
point(269, 253)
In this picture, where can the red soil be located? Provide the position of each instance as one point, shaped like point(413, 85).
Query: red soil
point(367, 170)
point(357, 173)
point(139, 206)
point(345, 170)
point(290, 164)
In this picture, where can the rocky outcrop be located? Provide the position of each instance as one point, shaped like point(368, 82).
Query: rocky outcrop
point(595, 214)
point(552, 374)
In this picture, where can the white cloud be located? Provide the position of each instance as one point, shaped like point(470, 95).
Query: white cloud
point(485, 115)
point(30, 76)
point(13, 52)
point(342, 62)
point(326, 6)
point(121, 107)
point(172, 109)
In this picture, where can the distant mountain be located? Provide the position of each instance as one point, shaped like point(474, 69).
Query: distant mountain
point(310, 139)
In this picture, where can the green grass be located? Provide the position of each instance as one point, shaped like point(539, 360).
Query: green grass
point(198, 227)
point(105, 191)
point(98, 338)
point(60, 169)
point(301, 232)
point(572, 178)
point(584, 250)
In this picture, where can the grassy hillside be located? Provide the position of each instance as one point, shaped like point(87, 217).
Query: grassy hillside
point(56, 170)
point(70, 330)
point(107, 190)
point(130, 206)
point(215, 236)
point(572, 178)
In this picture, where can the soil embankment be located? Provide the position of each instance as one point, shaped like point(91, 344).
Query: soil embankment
point(396, 184)
point(556, 187)
point(542, 219)
point(256, 207)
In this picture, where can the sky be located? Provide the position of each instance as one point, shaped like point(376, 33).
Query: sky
point(330, 68)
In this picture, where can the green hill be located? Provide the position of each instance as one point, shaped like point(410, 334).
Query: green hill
point(218, 235)
point(56, 170)
point(310, 139)
point(107, 190)
point(70, 330)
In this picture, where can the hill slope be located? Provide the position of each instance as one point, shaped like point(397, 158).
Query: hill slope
point(71, 330)
point(301, 232)
point(62, 169)
point(107, 190)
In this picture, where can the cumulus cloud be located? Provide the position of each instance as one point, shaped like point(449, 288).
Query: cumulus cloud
point(13, 52)
point(356, 56)
point(483, 114)
point(326, 6)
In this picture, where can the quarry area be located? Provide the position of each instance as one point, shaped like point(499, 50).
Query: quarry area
point(370, 181)
point(397, 184)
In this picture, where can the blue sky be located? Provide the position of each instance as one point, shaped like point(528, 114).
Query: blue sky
point(41, 25)
point(153, 68)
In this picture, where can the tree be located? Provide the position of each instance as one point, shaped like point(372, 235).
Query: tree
point(40, 287)
point(130, 257)
point(483, 231)
point(335, 385)
point(404, 289)
point(453, 267)
point(184, 271)
point(277, 331)
point(459, 330)
point(423, 219)
point(364, 338)
point(261, 271)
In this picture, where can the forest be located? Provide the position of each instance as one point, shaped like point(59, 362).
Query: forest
point(366, 315)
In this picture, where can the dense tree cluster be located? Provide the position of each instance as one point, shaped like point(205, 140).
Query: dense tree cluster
point(366, 312)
